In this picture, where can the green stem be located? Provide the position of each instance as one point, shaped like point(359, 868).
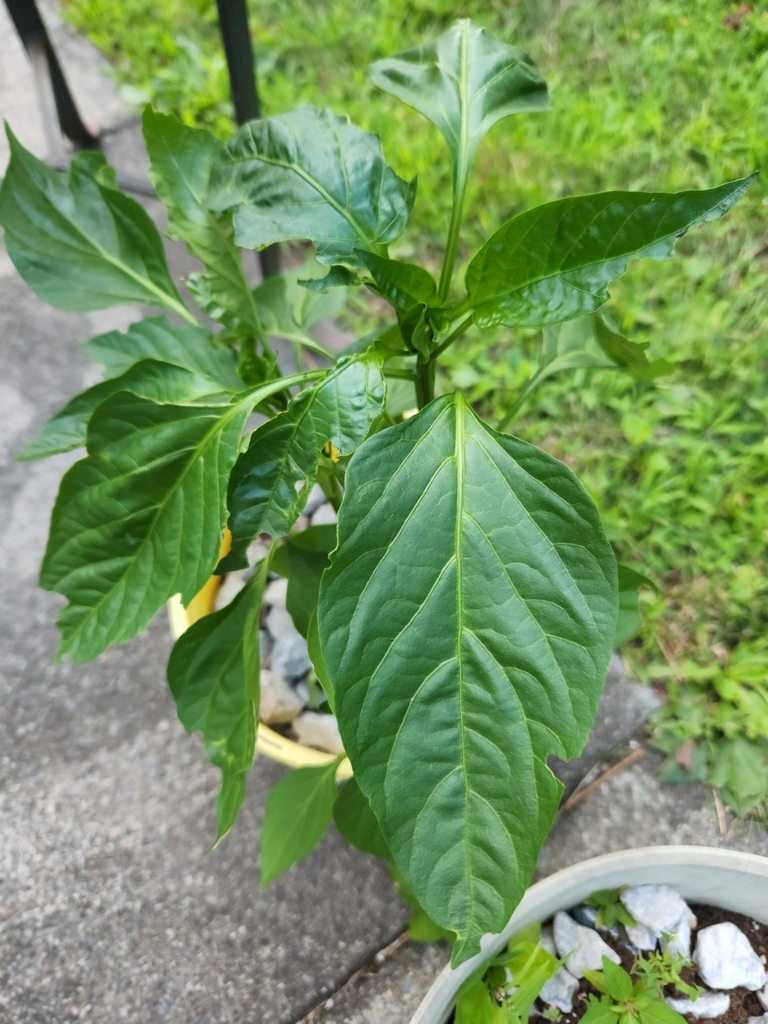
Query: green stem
point(425, 383)
point(457, 333)
point(398, 374)
point(459, 188)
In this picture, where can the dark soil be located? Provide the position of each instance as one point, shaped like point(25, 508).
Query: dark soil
point(744, 1004)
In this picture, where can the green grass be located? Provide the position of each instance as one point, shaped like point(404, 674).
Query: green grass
point(647, 94)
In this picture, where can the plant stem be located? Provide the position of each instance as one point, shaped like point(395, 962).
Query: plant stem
point(425, 383)
point(459, 188)
point(457, 333)
point(399, 374)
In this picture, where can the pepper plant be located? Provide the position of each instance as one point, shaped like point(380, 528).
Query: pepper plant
point(463, 625)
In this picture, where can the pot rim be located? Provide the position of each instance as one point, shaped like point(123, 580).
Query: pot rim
point(584, 876)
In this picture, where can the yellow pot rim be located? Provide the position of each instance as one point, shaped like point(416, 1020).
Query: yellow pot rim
point(268, 742)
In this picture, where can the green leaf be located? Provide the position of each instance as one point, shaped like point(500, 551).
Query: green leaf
point(298, 812)
point(659, 1013)
point(629, 355)
point(596, 979)
point(357, 823)
point(287, 310)
point(476, 1005)
point(318, 661)
point(312, 175)
point(307, 553)
point(272, 479)
point(159, 382)
point(473, 586)
point(182, 160)
point(337, 277)
point(403, 285)
point(213, 673)
point(555, 262)
point(740, 772)
point(599, 1012)
point(464, 82)
point(78, 243)
point(617, 981)
point(531, 967)
point(155, 338)
point(630, 617)
point(141, 518)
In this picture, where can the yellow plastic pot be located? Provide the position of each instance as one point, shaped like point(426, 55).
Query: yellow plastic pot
point(268, 742)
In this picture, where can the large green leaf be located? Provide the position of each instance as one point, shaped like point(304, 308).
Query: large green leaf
point(141, 517)
point(155, 338)
point(310, 174)
point(357, 823)
point(555, 262)
point(473, 588)
point(272, 479)
point(296, 817)
point(213, 673)
point(182, 160)
point(79, 244)
point(464, 82)
point(403, 285)
point(159, 382)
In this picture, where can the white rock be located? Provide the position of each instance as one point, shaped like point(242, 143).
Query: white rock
point(585, 946)
point(289, 656)
point(560, 990)
point(316, 730)
point(762, 1019)
point(562, 986)
point(265, 646)
point(642, 937)
point(257, 552)
point(763, 997)
point(315, 500)
point(278, 704)
point(658, 907)
point(276, 592)
point(279, 622)
point(709, 1004)
point(301, 524)
point(302, 692)
point(231, 586)
point(678, 940)
point(326, 514)
point(725, 958)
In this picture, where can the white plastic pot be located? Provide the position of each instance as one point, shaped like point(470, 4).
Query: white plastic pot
point(722, 878)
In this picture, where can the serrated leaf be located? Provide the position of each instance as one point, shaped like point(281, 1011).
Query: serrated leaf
point(79, 244)
point(157, 381)
point(309, 174)
point(154, 338)
point(555, 262)
point(464, 82)
point(357, 823)
point(213, 673)
point(272, 479)
point(181, 162)
point(288, 310)
point(472, 585)
point(629, 355)
point(403, 285)
point(141, 518)
point(297, 814)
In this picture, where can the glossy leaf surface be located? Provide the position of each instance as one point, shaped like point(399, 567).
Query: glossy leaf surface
point(464, 82)
point(141, 518)
point(182, 160)
point(155, 338)
point(79, 244)
point(213, 673)
point(272, 479)
point(403, 285)
point(312, 175)
point(555, 262)
point(159, 382)
point(473, 588)
point(298, 812)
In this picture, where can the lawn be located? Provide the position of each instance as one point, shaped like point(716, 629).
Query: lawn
point(647, 94)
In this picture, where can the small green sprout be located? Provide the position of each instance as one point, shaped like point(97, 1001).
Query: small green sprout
point(610, 909)
point(624, 1001)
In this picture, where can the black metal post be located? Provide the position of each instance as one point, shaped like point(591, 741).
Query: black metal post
point(233, 19)
point(32, 32)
